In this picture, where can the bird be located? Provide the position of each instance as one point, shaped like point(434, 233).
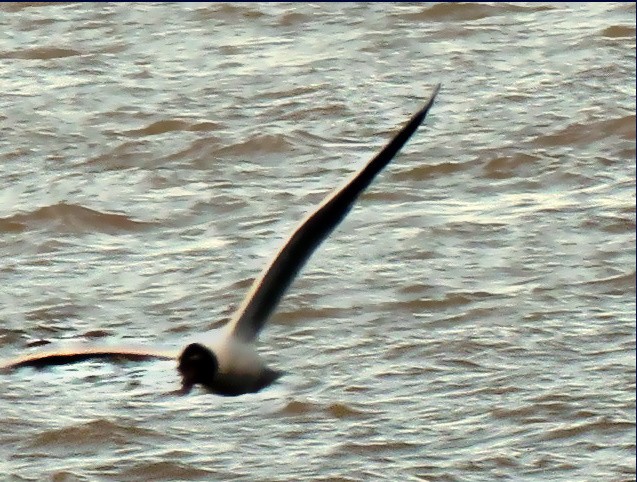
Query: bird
point(227, 363)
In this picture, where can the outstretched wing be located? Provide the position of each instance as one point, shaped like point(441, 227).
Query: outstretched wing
point(42, 359)
point(269, 287)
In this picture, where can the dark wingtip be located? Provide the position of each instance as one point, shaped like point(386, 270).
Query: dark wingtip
point(430, 102)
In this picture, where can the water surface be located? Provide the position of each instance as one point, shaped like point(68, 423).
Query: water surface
point(473, 319)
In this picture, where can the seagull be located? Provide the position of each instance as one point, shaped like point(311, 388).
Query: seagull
point(227, 363)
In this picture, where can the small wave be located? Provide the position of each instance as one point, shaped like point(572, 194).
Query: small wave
point(531, 411)
point(95, 433)
point(611, 224)
point(376, 447)
point(37, 343)
point(334, 109)
point(340, 411)
point(63, 217)
point(200, 153)
point(123, 156)
point(623, 127)
point(453, 300)
point(161, 127)
point(292, 92)
point(295, 408)
point(40, 53)
point(165, 470)
point(173, 125)
point(468, 11)
point(625, 281)
point(603, 425)
point(422, 173)
point(503, 167)
point(292, 19)
point(12, 7)
point(310, 313)
point(226, 11)
point(267, 144)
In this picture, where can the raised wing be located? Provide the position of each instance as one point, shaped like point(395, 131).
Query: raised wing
point(268, 289)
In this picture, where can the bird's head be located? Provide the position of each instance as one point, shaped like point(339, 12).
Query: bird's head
point(197, 364)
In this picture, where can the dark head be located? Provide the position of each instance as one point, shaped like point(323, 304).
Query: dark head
point(197, 364)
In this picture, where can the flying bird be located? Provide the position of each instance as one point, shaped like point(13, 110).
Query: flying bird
point(228, 363)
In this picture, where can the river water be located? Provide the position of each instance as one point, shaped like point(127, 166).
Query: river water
point(473, 319)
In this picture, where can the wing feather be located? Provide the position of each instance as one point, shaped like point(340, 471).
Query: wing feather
point(66, 356)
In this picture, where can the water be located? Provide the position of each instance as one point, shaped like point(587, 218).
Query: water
point(473, 319)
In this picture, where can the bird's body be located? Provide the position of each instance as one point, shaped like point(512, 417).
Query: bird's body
point(227, 362)
point(224, 365)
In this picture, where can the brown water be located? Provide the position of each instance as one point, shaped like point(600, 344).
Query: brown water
point(473, 319)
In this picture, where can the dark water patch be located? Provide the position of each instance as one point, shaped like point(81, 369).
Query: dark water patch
point(200, 154)
point(93, 334)
point(40, 53)
point(67, 476)
point(377, 447)
point(293, 19)
point(316, 113)
point(296, 408)
point(618, 31)
point(343, 411)
point(506, 166)
point(54, 312)
point(465, 365)
point(309, 313)
point(170, 471)
point(174, 125)
point(126, 155)
point(613, 224)
point(425, 172)
point(583, 134)
point(602, 426)
point(449, 301)
point(227, 11)
point(545, 411)
point(622, 282)
point(11, 336)
point(258, 145)
point(36, 343)
point(454, 12)
point(90, 435)
point(292, 92)
point(14, 7)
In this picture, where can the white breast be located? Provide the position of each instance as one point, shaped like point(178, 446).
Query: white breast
point(234, 357)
